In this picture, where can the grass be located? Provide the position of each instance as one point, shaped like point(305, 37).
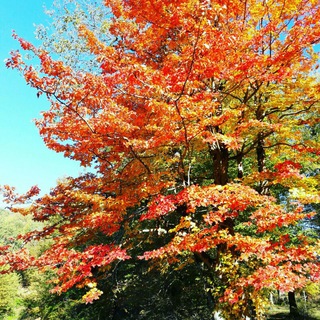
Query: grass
point(282, 313)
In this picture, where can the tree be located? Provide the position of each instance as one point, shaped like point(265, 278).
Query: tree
point(62, 40)
point(197, 116)
point(9, 285)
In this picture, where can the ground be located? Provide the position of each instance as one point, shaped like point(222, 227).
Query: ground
point(282, 313)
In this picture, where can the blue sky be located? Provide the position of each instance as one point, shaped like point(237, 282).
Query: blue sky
point(24, 159)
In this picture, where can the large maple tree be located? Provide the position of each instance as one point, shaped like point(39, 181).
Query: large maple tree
point(199, 112)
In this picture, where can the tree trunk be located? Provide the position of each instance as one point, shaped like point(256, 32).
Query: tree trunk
point(292, 303)
point(240, 165)
point(220, 160)
point(263, 187)
point(261, 155)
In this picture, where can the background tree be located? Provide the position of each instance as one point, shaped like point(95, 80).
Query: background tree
point(197, 116)
point(9, 286)
point(61, 37)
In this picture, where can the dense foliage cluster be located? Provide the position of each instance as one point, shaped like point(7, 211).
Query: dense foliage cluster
point(199, 122)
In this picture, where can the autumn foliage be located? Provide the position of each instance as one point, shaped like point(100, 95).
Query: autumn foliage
point(200, 111)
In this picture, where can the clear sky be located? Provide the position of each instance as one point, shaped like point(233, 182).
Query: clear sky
point(24, 159)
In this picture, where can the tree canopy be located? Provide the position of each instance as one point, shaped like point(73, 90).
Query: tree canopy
point(200, 116)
